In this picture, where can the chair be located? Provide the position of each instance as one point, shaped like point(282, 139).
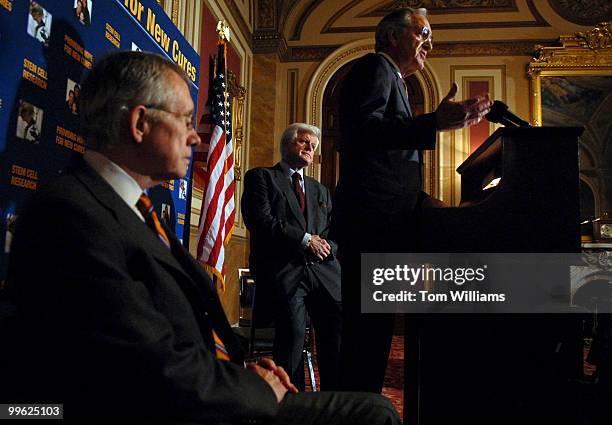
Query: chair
point(8, 359)
point(261, 331)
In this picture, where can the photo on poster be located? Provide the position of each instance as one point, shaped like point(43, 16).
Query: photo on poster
point(29, 122)
point(183, 189)
point(10, 221)
point(73, 91)
point(165, 213)
point(82, 11)
point(135, 47)
point(39, 23)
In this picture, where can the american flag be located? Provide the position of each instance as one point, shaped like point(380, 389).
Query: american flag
point(218, 208)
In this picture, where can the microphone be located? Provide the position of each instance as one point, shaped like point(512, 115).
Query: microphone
point(500, 114)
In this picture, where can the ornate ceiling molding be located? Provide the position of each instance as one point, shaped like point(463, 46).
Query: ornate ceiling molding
point(270, 16)
point(583, 12)
point(284, 11)
point(308, 53)
point(449, 6)
point(450, 49)
point(485, 48)
point(265, 16)
point(433, 6)
point(297, 32)
point(269, 41)
point(242, 25)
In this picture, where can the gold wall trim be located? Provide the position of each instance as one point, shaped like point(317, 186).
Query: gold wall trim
point(238, 94)
point(431, 159)
point(292, 94)
point(459, 144)
point(319, 80)
point(485, 48)
point(175, 12)
point(324, 73)
point(441, 50)
point(580, 56)
point(582, 53)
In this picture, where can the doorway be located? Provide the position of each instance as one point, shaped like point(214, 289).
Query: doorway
point(330, 162)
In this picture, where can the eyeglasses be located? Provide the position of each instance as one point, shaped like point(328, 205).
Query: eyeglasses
point(189, 118)
point(424, 33)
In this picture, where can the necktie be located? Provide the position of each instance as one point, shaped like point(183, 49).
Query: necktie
point(299, 193)
point(145, 206)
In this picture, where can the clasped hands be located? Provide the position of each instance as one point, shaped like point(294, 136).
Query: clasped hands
point(452, 115)
point(274, 375)
point(318, 247)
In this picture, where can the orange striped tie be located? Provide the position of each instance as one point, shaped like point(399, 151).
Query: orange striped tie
point(220, 349)
point(145, 206)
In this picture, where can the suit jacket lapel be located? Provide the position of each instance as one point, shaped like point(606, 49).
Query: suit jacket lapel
point(190, 276)
point(399, 82)
point(203, 296)
point(285, 186)
point(135, 228)
point(311, 202)
point(401, 86)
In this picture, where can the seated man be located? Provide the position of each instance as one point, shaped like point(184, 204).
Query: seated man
point(116, 320)
point(293, 261)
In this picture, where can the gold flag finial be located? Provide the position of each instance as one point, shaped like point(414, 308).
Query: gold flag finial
point(223, 31)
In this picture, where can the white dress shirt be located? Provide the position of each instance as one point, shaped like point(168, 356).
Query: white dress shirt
point(126, 187)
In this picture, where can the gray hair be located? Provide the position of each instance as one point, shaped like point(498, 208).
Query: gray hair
point(292, 131)
point(394, 21)
point(116, 84)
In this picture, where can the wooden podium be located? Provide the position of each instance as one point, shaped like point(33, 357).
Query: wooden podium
point(519, 193)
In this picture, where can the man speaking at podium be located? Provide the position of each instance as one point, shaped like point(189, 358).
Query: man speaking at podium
point(379, 189)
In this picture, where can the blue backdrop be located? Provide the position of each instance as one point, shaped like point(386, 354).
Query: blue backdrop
point(46, 48)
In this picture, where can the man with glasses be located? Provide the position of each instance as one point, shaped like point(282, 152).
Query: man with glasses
point(117, 320)
point(379, 189)
point(293, 260)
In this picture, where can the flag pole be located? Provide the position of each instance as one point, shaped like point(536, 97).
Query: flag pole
point(223, 36)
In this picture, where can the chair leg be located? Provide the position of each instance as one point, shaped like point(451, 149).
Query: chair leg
point(313, 381)
point(252, 340)
point(308, 349)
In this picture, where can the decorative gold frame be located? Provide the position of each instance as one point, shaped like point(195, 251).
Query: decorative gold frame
point(238, 94)
point(587, 53)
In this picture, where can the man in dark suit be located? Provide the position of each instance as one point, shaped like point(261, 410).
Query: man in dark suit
point(117, 320)
point(292, 259)
point(379, 190)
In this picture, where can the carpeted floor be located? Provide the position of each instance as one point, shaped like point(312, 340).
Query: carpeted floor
point(394, 378)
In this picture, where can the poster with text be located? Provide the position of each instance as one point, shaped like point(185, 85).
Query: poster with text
point(47, 48)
